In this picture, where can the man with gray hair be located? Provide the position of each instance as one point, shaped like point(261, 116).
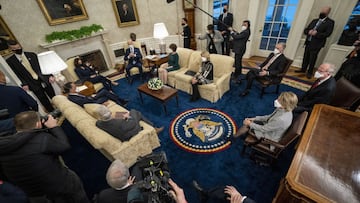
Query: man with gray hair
point(321, 91)
point(269, 69)
point(119, 179)
point(122, 125)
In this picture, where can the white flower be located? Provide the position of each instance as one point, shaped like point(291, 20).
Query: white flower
point(155, 84)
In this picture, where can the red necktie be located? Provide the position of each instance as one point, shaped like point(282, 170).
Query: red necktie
point(315, 84)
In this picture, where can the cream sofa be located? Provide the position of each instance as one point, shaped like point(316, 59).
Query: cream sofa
point(112, 148)
point(191, 60)
point(71, 76)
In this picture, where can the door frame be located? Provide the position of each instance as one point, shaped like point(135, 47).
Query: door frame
point(296, 32)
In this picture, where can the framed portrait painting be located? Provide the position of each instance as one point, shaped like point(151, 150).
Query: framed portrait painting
point(125, 12)
point(63, 11)
point(5, 35)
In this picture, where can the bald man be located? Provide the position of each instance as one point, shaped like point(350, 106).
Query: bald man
point(316, 33)
point(321, 91)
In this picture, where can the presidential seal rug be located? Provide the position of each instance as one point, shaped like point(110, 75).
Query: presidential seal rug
point(202, 130)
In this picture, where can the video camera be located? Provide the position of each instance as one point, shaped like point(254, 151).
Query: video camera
point(55, 114)
point(155, 178)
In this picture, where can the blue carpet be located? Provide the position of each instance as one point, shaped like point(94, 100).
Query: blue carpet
point(223, 168)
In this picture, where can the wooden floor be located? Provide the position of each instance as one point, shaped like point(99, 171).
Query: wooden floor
point(254, 61)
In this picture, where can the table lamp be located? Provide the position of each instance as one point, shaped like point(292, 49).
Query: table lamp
point(51, 63)
point(160, 32)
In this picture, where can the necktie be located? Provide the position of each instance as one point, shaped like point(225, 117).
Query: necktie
point(315, 84)
point(224, 16)
point(316, 27)
point(25, 62)
point(270, 62)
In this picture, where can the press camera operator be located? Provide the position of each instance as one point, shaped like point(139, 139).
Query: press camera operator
point(30, 159)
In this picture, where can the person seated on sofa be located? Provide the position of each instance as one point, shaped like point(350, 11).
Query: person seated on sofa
point(100, 97)
point(204, 76)
point(122, 125)
point(274, 125)
point(171, 65)
point(133, 57)
point(86, 72)
point(269, 69)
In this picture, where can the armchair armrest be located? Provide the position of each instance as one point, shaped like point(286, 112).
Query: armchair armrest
point(276, 144)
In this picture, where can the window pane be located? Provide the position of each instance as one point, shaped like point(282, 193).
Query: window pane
point(284, 30)
point(290, 14)
point(272, 44)
point(271, 2)
point(263, 43)
point(269, 13)
point(275, 29)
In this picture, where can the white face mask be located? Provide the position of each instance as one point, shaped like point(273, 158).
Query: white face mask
point(318, 75)
point(203, 59)
point(276, 51)
point(277, 104)
point(131, 47)
point(243, 28)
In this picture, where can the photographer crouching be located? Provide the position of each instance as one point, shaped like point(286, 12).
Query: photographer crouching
point(30, 159)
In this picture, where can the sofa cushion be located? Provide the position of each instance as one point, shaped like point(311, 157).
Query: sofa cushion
point(184, 56)
point(195, 61)
point(92, 110)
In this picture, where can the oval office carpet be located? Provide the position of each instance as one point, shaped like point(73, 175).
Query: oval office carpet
point(202, 130)
point(225, 167)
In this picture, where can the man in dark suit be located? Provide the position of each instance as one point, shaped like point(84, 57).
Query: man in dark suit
point(26, 66)
point(316, 33)
point(239, 46)
point(101, 97)
point(269, 69)
point(15, 100)
point(186, 33)
point(321, 91)
point(134, 57)
point(225, 21)
point(126, 12)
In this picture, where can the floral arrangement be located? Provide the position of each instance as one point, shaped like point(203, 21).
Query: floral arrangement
point(73, 34)
point(155, 84)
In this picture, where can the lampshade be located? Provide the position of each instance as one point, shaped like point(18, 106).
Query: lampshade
point(160, 31)
point(51, 63)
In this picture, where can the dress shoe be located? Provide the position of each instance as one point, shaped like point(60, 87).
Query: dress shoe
point(244, 93)
point(242, 130)
point(159, 130)
point(300, 71)
point(309, 76)
point(201, 192)
point(124, 102)
point(114, 83)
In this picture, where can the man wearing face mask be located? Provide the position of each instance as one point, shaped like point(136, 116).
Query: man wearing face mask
point(133, 56)
point(269, 69)
point(321, 91)
point(316, 33)
point(239, 47)
point(26, 66)
point(274, 125)
point(225, 21)
point(186, 33)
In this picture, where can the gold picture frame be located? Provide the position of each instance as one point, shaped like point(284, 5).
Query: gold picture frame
point(5, 35)
point(63, 11)
point(126, 12)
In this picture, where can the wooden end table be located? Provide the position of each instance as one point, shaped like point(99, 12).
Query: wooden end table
point(163, 95)
point(156, 61)
point(89, 89)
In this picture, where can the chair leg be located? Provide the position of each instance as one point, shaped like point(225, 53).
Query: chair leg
point(277, 88)
point(262, 92)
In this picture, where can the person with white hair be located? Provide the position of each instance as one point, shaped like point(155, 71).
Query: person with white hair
point(321, 91)
point(122, 125)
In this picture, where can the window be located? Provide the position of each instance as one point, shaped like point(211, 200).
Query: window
point(354, 17)
point(278, 20)
point(217, 9)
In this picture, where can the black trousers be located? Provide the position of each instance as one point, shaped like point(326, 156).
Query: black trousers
point(226, 44)
point(99, 78)
point(196, 94)
point(42, 93)
point(238, 64)
point(309, 60)
point(187, 43)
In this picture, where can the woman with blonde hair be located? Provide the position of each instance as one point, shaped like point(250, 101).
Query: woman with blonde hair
point(274, 125)
point(204, 76)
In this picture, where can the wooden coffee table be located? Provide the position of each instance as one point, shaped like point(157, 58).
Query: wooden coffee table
point(163, 95)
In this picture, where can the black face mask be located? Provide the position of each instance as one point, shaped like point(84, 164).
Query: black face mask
point(322, 15)
point(182, 24)
point(18, 51)
point(224, 10)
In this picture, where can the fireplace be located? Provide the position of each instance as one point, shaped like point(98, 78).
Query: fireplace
point(93, 48)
